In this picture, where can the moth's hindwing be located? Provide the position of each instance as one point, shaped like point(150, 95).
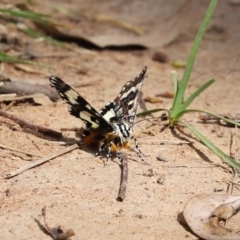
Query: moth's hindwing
point(78, 106)
point(124, 106)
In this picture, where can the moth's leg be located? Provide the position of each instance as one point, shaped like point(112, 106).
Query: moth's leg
point(109, 151)
point(136, 146)
point(119, 156)
point(138, 151)
point(101, 148)
point(108, 155)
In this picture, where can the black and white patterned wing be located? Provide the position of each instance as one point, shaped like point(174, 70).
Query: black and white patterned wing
point(124, 106)
point(78, 106)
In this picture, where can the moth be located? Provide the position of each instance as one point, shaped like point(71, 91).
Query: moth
point(111, 128)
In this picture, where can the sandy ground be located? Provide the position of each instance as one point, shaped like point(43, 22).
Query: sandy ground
point(78, 191)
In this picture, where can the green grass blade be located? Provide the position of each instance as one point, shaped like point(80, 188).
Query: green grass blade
point(192, 57)
point(36, 17)
point(48, 39)
point(175, 86)
point(175, 82)
point(10, 59)
point(225, 158)
point(213, 114)
point(195, 94)
point(145, 113)
point(178, 64)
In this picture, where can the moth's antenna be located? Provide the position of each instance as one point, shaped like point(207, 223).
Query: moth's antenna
point(144, 120)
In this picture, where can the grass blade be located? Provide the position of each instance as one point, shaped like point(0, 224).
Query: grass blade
point(195, 94)
point(175, 82)
point(225, 158)
point(213, 114)
point(48, 39)
point(192, 57)
point(10, 59)
point(36, 17)
point(175, 86)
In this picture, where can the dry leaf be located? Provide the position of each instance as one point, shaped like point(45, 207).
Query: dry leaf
point(25, 68)
point(203, 212)
point(234, 2)
point(24, 88)
point(42, 99)
point(152, 100)
point(161, 57)
point(166, 94)
point(123, 24)
point(172, 21)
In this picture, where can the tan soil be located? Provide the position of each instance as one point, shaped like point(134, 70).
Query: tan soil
point(78, 191)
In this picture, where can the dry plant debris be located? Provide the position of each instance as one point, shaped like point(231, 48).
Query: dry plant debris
point(161, 57)
point(204, 212)
point(37, 98)
point(55, 233)
point(124, 179)
point(167, 94)
point(23, 88)
point(152, 100)
point(17, 150)
point(210, 118)
point(40, 161)
point(26, 124)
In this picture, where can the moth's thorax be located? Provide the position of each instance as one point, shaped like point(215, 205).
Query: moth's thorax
point(122, 129)
point(119, 137)
point(92, 138)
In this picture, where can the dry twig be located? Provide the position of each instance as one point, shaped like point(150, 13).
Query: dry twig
point(75, 129)
point(161, 142)
point(208, 117)
point(24, 88)
point(16, 150)
point(124, 179)
point(14, 85)
point(40, 161)
point(14, 98)
point(26, 124)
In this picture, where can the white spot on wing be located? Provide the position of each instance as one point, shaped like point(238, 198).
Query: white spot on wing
point(88, 107)
point(86, 117)
point(109, 114)
point(131, 102)
point(72, 96)
point(132, 89)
